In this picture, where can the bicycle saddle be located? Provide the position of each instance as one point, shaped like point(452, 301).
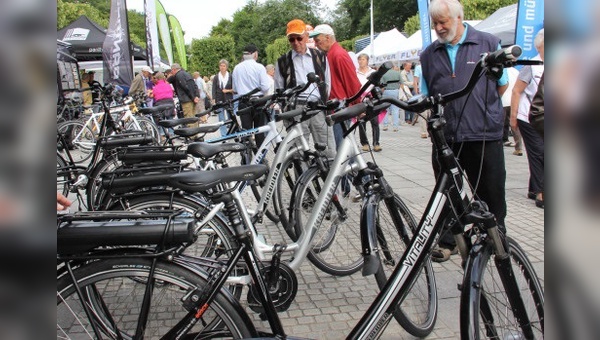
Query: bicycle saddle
point(206, 128)
point(169, 123)
point(156, 109)
point(198, 181)
point(207, 150)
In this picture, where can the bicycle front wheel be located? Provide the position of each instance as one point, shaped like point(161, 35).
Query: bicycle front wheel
point(114, 290)
point(62, 175)
point(146, 125)
point(417, 313)
point(336, 242)
point(485, 310)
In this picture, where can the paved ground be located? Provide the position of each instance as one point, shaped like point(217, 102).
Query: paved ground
point(327, 307)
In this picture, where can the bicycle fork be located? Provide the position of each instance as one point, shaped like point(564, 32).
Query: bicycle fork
point(482, 217)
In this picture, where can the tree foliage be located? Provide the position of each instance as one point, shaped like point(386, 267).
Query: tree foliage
point(412, 24)
point(387, 14)
point(473, 9)
point(99, 12)
point(206, 53)
point(276, 49)
point(481, 9)
point(261, 24)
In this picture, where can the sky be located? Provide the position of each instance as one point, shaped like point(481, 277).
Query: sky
point(197, 17)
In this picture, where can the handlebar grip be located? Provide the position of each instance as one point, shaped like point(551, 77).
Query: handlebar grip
point(245, 110)
point(260, 101)
point(203, 113)
point(501, 56)
point(347, 113)
point(312, 78)
point(375, 77)
point(289, 114)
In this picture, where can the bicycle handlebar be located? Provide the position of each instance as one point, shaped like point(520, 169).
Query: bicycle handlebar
point(501, 58)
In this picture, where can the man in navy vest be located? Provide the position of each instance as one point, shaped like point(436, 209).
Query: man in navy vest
point(474, 122)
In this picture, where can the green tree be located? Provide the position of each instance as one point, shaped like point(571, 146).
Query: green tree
point(473, 9)
point(206, 53)
point(276, 49)
point(412, 24)
point(387, 14)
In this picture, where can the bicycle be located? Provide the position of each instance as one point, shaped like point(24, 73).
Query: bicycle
point(83, 133)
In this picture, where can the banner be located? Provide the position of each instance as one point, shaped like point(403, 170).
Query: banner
point(165, 32)
point(530, 19)
point(178, 40)
point(425, 22)
point(116, 55)
point(152, 50)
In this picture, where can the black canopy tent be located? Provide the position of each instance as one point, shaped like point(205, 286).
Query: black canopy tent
point(86, 38)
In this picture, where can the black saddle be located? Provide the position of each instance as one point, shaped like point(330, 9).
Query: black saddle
point(169, 123)
point(207, 150)
point(156, 109)
point(205, 128)
point(199, 181)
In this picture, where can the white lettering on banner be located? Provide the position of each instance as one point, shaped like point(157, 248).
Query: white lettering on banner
point(530, 14)
point(530, 3)
point(528, 38)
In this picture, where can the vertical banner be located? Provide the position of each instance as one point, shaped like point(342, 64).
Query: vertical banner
point(425, 22)
point(178, 40)
point(165, 31)
point(530, 19)
point(116, 54)
point(152, 50)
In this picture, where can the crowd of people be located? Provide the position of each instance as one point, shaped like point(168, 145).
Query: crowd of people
point(477, 126)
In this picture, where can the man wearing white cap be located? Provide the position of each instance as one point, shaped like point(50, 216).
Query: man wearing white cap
point(138, 85)
point(344, 81)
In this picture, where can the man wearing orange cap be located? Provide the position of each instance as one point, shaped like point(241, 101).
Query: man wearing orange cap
point(292, 69)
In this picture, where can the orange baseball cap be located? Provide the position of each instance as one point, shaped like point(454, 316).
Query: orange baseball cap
point(296, 26)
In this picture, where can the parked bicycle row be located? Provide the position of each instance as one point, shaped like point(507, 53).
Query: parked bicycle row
point(169, 227)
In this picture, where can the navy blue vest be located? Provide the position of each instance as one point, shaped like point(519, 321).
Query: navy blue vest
point(479, 115)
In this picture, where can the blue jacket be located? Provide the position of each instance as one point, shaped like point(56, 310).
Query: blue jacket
point(479, 115)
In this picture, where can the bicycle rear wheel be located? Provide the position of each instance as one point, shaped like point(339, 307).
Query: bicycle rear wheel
point(80, 139)
point(336, 247)
point(215, 240)
point(417, 313)
point(485, 311)
point(145, 125)
point(114, 290)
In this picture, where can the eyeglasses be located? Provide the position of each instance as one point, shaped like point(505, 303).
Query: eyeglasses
point(297, 39)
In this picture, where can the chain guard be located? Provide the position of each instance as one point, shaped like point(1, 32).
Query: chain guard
point(282, 289)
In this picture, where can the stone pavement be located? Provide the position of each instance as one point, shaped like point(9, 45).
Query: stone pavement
point(328, 307)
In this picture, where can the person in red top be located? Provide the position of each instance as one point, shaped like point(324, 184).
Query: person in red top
point(344, 81)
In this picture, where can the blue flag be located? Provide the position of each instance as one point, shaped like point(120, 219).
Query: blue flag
point(424, 19)
point(530, 19)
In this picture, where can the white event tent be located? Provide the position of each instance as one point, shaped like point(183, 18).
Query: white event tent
point(385, 46)
point(394, 48)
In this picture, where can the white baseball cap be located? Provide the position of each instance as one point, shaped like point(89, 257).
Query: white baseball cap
point(147, 69)
point(321, 29)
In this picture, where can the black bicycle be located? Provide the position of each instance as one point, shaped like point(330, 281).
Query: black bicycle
point(501, 296)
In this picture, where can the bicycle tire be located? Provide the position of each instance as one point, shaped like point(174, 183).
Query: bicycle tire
point(484, 310)
point(417, 313)
point(336, 247)
point(96, 195)
point(62, 176)
point(146, 125)
point(81, 140)
point(114, 288)
point(215, 240)
point(290, 173)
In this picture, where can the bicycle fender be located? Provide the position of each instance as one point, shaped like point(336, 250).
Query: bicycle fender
point(368, 237)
